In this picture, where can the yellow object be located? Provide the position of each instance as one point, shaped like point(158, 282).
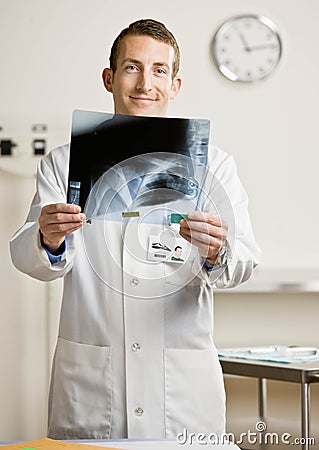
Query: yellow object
point(52, 444)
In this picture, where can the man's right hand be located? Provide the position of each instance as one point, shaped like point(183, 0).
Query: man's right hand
point(58, 220)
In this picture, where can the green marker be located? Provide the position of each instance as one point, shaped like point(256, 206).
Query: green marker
point(176, 218)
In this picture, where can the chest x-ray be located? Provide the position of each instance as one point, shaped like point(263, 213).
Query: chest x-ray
point(127, 166)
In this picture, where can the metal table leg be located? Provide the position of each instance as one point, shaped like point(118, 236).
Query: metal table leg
point(262, 398)
point(262, 405)
point(305, 407)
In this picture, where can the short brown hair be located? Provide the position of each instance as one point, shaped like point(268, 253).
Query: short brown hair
point(146, 27)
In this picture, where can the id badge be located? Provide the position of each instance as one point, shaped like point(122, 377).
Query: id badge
point(172, 249)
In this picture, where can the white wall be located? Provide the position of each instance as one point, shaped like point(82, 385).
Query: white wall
point(52, 54)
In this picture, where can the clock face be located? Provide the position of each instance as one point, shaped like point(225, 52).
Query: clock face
point(247, 48)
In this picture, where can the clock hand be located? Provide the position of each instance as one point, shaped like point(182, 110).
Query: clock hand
point(242, 38)
point(261, 47)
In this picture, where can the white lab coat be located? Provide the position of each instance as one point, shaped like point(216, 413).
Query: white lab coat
point(135, 355)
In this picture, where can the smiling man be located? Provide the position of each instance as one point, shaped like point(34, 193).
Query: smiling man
point(138, 361)
point(143, 75)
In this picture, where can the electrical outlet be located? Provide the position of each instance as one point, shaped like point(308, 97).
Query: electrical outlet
point(6, 146)
point(39, 146)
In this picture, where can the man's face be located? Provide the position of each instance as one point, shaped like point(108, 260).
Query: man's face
point(142, 83)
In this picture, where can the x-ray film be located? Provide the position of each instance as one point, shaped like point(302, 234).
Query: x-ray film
point(125, 168)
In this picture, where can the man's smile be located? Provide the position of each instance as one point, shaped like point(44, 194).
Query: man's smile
point(142, 99)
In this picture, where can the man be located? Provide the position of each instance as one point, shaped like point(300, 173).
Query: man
point(136, 360)
point(177, 254)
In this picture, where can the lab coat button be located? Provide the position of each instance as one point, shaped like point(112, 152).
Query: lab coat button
point(138, 411)
point(135, 347)
point(134, 281)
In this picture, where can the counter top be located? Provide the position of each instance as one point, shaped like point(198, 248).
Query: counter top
point(288, 280)
point(148, 444)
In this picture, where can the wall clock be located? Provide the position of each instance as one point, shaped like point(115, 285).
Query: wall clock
point(247, 48)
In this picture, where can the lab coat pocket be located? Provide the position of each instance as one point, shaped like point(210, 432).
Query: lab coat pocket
point(81, 391)
point(194, 392)
point(181, 274)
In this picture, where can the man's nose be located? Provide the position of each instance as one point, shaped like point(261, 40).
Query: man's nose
point(144, 82)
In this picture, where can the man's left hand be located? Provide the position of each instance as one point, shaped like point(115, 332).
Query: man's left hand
point(206, 231)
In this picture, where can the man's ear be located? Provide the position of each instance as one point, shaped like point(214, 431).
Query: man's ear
point(107, 76)
point(176, 86)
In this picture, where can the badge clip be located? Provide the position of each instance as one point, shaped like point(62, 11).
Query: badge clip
point(176, 218)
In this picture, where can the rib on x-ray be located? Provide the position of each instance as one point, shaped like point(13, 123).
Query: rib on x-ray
point(149, 165)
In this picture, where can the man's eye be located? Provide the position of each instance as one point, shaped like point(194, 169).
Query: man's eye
point(160, 71)
point(131, 68)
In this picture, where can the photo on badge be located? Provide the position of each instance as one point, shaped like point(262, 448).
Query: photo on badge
point(180, 251)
